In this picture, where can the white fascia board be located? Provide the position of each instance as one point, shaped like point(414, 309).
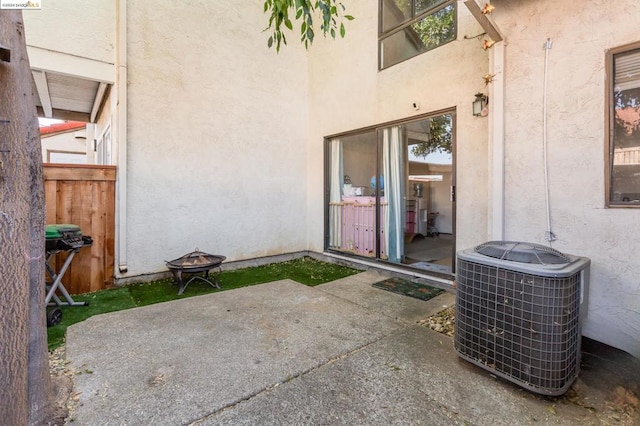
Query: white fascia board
point(71, 65)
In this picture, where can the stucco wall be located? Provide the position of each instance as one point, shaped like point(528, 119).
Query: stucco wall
point(64, 142)
point(217, 131)
point(85, 29)
point(348, 92)
point(581, 33)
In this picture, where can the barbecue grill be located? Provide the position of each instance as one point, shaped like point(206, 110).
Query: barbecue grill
point(61, 238)
point(194, 263)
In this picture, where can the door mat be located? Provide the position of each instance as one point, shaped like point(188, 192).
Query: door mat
point(408, 288)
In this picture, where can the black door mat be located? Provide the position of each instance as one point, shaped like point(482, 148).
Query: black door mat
point(408, 288)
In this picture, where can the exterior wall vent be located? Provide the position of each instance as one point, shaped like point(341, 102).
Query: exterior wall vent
point(519, 309)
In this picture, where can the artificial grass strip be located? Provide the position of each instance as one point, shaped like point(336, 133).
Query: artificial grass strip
point(304, 270)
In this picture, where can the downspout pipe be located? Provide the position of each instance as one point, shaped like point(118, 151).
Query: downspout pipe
point(121, 119)
point(496, 143)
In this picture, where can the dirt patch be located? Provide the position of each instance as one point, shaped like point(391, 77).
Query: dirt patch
point(62, 382)
point(442, 322)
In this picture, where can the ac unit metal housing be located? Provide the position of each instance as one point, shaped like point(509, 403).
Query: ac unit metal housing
point(519, 308)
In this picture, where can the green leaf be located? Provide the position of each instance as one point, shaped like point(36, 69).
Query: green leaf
point(342, 30)
point(288, 23)
point(333, 33)
point(349, 17)
point(303, 28)
point(270, 42)
point(298, 14)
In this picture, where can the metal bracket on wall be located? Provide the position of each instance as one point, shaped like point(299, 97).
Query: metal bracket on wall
point(5, 54)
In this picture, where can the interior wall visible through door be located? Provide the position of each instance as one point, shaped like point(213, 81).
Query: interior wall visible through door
point(390, 193)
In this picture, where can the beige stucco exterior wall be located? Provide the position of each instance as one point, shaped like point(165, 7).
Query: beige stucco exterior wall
point(217, 135)
point(66, 142)
point(225, 137)
point(581, 33)
point(348, 92)
point(85, 29)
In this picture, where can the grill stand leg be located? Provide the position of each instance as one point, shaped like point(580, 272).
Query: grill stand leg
point(57, 282)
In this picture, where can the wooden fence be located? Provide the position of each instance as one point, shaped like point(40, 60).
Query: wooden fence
point(84, 195)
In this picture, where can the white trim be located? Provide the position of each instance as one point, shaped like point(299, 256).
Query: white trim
point(71, 65)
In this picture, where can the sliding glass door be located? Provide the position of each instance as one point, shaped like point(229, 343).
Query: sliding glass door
point(354, 195)
point(389, 193)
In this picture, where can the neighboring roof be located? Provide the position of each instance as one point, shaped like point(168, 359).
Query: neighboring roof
point(67, 126)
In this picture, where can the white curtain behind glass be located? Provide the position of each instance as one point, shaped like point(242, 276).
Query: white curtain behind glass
point(335, 201)
point(392, 163)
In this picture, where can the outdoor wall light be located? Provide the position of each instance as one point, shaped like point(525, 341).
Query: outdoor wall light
point(479, 104)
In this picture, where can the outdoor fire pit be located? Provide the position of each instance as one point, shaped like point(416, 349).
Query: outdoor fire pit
point(196, 262)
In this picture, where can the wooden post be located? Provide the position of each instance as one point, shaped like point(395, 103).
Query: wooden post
point(25, 390)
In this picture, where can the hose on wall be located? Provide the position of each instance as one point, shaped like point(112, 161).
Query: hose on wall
point(549, 235)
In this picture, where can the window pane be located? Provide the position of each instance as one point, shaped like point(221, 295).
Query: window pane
point(424, 5)
point(625, 170)
point(430, 32)
point(394, 13)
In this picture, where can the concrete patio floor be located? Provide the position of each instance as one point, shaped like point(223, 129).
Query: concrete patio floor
point(343, 352)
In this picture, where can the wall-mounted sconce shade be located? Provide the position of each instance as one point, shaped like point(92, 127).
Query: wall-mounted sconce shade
point(479, 103)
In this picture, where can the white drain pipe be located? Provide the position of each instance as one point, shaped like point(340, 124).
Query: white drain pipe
point(121, 119)
point(496, 138)
point(549, 235)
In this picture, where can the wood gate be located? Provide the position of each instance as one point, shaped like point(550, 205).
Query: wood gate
point(84, 195)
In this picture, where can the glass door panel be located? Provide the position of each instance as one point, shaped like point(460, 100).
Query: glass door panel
point(429, 218)
point(390, 194)
point(353, 203)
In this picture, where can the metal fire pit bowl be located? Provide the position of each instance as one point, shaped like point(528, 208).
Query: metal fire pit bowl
point(194, 263)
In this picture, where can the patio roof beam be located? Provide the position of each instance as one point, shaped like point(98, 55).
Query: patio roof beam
point(487, 25)
point(60, 114)
point(98, 101)
point(42, 86)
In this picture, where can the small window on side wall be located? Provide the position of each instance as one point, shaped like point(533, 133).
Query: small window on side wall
point(623, 144)
point(411, 27)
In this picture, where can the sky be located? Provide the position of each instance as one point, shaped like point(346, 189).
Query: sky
point(48, 121)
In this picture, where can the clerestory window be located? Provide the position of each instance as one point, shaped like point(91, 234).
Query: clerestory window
point(623, 136)
point(410, 27)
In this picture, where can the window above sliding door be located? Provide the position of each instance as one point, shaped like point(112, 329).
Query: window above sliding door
point(410, 27)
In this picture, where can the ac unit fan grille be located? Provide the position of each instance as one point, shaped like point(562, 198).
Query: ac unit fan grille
point(522, 252)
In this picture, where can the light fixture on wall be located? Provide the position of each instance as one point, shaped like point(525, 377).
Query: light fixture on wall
point(480, 104)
